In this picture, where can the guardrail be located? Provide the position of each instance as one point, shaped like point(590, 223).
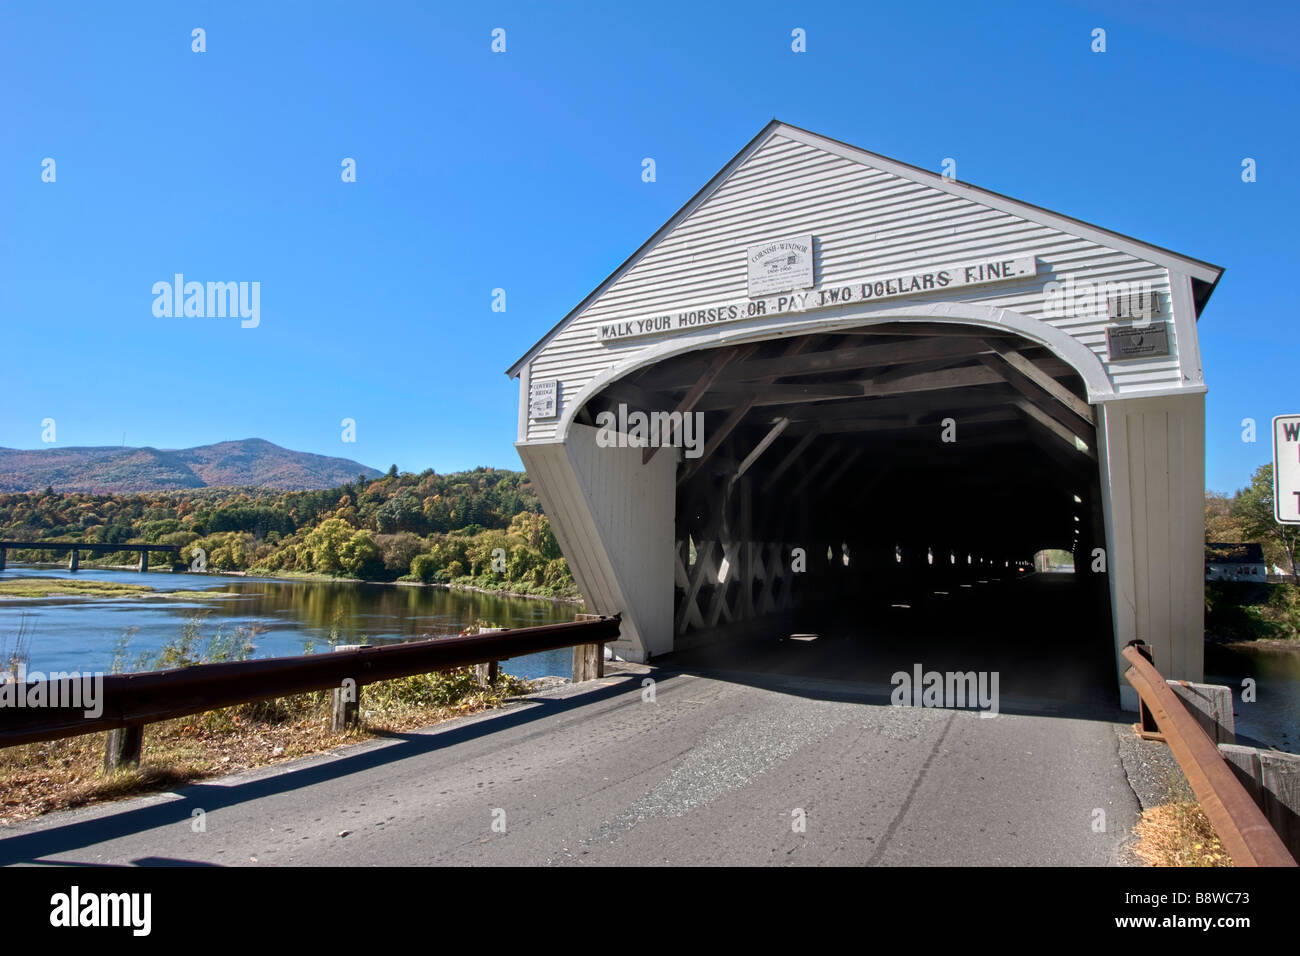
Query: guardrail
point(129, 701)
point(1246, 833)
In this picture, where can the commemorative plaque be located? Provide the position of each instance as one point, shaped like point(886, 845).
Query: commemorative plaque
point(1137, 341)
point(781, 266)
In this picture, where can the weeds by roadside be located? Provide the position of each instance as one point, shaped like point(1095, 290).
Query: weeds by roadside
point(1178, 834)
point(53, 775)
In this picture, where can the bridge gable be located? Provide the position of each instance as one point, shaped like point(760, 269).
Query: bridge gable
point(884, 236)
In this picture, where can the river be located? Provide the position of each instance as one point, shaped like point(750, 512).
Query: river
point(76, 633)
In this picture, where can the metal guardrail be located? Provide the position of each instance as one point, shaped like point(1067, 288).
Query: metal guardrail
point(132, 700)
point(1246, 833)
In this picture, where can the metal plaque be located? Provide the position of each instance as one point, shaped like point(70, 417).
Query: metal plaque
point(781, 265)
point(1137, 341)
point(543, 398)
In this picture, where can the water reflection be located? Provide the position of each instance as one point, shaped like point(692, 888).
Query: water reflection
point(69, 633)
point(1273, 719)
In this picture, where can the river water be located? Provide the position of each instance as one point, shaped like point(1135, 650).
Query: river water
point(1273, 718)
point(74, 633)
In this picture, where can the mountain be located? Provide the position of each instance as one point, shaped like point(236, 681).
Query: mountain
point(109, 469)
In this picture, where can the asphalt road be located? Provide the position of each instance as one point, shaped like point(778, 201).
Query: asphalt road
point(713, 771)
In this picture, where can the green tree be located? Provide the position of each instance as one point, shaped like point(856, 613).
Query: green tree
point(424, 567)
point(325, 542)
point(359, 556)
point(1253, 507)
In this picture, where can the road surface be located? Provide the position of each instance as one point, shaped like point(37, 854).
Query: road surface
point(721, 769)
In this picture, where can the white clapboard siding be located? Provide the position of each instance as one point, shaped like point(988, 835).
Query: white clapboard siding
point(614, 520)
point(1153, 479)
point(867, 222)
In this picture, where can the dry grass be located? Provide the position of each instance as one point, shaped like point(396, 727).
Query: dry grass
point(60, 774)
point(1178, 834)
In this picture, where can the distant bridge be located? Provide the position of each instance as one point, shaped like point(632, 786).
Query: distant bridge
point(76, 547)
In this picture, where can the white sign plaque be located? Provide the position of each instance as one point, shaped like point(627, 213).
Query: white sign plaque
point(543, 398)
point(781, 266)
point(1286, 469)
point(850, 292)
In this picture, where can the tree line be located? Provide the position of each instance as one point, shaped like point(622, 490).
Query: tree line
point(1246, 517)
point(482, 528)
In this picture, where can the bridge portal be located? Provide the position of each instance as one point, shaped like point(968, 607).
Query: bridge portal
point(834, 384)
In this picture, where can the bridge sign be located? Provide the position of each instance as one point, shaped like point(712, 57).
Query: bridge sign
point(1286, 469)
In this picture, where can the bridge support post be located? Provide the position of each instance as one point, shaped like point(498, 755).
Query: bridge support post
point(3, 555)
point(74, 560)
point(144, 559)
point(123, 749)
point(345, 712)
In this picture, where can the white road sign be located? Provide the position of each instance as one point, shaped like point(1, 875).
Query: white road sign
point(1286, 469)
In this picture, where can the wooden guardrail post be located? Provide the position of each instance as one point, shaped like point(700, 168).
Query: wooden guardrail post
point(345, 711)
point(123, 748)
point(588, 659)
point(1147, 728)
point(487, 673)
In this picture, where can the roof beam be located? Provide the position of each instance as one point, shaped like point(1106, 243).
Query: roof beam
point(1036, 414)
point(773, 433)
point(800, 446)
point(689, 400)
point(832, 360)
point(720, 434)
point(1080, 426)
point(1026, 367)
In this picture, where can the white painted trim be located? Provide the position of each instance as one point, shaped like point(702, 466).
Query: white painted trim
point(1068, 349)
point(1185, 338)
point(525, 382)
point(1166, 391)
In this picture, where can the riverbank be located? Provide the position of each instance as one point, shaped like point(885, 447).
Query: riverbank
point(435, 585)
point(1266, 643)
point(30, 588)
point(315, 577)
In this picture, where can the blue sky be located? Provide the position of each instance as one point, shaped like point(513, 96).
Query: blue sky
point(522, 171)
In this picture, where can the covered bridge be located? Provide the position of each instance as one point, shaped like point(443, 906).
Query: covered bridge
point(873, 378)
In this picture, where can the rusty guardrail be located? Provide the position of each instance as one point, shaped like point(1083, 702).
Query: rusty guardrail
point(1246, 833)
point(132, 700)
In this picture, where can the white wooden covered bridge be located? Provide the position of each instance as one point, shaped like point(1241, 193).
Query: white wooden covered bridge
point(878, 370)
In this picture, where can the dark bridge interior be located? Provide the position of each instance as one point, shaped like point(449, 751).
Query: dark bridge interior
point(885, 489)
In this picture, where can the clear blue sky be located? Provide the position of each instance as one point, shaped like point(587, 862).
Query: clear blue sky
point(522, 171)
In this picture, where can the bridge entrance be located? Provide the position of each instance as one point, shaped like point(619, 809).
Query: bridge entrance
point(885, 392)
point(880, 494)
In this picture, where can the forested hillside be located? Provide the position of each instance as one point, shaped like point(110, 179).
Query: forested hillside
point(482, 528)
point(251, 462)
